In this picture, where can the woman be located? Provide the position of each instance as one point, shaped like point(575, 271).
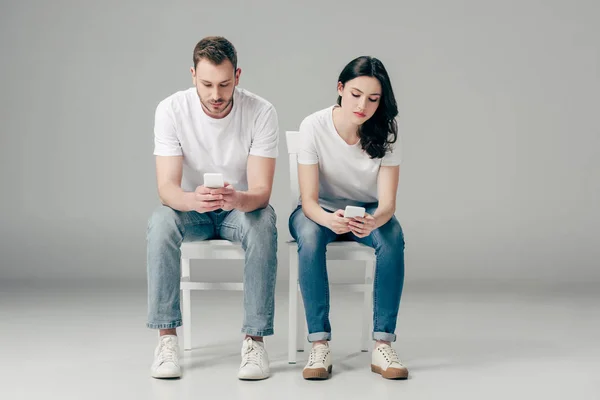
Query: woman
point(350, 155)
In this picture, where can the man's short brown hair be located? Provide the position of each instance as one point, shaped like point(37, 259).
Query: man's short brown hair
point(216, 49)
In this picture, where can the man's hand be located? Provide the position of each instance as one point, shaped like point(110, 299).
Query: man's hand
point(231, 197)
point(338, 223)
point(203, 201)
point(362, 226)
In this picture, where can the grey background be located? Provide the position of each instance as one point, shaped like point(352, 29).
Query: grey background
point(498, 112)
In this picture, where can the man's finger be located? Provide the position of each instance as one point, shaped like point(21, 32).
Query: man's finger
point(210, 197)
point(221, 191)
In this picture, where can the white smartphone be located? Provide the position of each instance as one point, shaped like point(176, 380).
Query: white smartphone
point(213, 180)
point(353, 211)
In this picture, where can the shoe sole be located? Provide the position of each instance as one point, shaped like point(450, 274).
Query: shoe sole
point(317, 374)
point(252, 378)
point(166, 376)
point(390, 373)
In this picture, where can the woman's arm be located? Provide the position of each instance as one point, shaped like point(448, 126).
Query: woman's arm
point(308, 177)
point(387, 187)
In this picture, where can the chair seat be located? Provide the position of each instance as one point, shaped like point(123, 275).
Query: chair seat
point(345, 251)
point(207, 243)
point(212, 250)
point(345, 244)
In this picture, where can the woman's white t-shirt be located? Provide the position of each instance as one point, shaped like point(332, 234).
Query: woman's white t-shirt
point(347, 175)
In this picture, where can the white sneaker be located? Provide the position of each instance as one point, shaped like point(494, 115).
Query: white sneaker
point(319, 363)
point(385, 362)
point(255, 362)
point(166, 358)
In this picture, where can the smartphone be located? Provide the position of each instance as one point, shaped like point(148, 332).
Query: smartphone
point(352, 211)
point(213, 180)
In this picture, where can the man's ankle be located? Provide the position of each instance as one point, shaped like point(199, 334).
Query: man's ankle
point(164, 332)
point(318, 342)
point(255, 338)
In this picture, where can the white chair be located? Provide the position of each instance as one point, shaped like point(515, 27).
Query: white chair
point(205, 250)
point(343, 251)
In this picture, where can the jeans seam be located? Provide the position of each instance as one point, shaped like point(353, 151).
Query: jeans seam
point(168, 325)
point(327, 293)
point(258, 332)
point(228, 225)
point(375, 284)
point(375, 316)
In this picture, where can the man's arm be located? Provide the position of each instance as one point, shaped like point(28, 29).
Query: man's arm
point(261, 171)
point(168, 176)
point(260, 167)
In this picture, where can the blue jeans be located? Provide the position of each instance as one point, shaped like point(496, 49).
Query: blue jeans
point(256, 231)
point(312, 239)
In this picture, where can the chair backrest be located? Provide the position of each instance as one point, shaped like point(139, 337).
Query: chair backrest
point(293, 146)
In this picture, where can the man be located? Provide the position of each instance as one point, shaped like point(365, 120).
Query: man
point(214, 127)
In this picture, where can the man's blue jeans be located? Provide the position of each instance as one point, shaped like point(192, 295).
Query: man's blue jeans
point(256, 231)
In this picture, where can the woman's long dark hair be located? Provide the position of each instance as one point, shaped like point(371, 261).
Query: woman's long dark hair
point(375, 133)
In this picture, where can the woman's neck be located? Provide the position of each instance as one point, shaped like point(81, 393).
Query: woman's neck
point(347, 130)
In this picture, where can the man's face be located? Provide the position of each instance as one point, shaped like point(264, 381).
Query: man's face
point(215, 85)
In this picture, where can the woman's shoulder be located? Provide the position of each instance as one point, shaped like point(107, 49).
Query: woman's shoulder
point(317, 119)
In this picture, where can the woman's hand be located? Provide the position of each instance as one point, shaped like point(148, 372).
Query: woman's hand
point(362, 226)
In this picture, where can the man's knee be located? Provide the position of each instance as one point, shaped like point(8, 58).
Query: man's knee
point(163, 223)
point(261, 225)
point(262, 220)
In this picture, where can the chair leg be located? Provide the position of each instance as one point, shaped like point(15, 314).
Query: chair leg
point(367, 305)
point(301, 323)
point(293, 306)
point(187, 308)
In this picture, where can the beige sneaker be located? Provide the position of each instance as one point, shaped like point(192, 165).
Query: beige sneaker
point(386, 363)
point(319, 363)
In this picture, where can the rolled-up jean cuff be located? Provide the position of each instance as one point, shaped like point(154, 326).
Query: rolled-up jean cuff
point(313, 337)
point(257, 332)
point(170, 325)
point(387, 337)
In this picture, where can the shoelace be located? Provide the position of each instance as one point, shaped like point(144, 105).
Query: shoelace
point(167, 351)
point(318, 354)
point(390, 354)
point(253, 354)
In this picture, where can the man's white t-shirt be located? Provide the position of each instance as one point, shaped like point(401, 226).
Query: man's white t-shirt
point(347, 175)
point(182, 128)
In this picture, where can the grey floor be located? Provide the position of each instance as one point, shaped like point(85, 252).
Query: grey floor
point(486, 341)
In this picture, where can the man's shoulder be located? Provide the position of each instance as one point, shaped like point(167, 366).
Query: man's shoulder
point(177, 101)
point(252, 102)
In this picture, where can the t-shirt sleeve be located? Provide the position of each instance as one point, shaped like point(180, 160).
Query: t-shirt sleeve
point(393, 156)
point(307, 154)
point(166, 142)
point(265, 140)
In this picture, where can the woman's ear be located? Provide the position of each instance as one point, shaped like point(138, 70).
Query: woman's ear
point(340, 87)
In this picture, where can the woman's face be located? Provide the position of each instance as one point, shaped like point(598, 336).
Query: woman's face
point(360, 98)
